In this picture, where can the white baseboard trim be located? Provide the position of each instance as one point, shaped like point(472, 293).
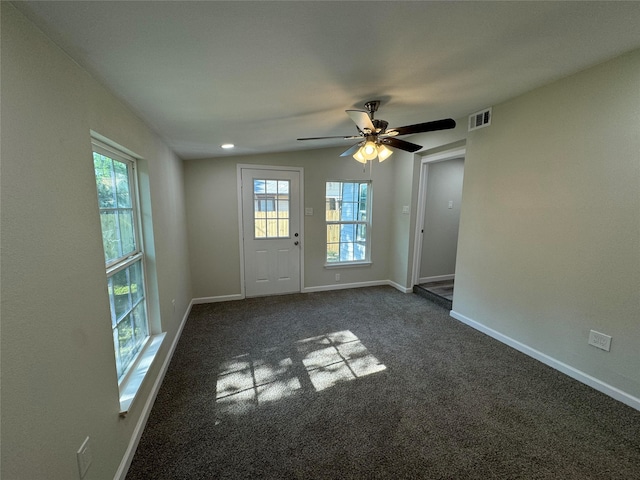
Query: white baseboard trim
point(220, 298)
point(121, 473)
point(562, 367)
point(397, 286)
point(344, 286)
point(437, 278)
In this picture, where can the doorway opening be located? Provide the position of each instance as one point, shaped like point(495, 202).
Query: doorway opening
point(436, 240)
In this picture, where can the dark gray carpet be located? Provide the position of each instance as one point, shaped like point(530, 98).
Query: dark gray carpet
point(371, 384)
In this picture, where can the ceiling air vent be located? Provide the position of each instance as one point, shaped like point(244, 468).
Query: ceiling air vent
point(480, 119)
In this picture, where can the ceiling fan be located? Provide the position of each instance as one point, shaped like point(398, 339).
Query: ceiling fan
point(374, 136)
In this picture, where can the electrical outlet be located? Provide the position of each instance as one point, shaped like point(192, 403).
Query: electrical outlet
point(85, 457)
point(337, 277)
point(600, 340)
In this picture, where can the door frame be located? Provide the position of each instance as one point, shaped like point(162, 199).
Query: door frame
point(246, 166)
point(422, 198)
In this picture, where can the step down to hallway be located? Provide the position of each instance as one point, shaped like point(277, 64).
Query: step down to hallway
point(440, 293)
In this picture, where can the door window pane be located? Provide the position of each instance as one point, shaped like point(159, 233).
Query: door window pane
point(271, 208)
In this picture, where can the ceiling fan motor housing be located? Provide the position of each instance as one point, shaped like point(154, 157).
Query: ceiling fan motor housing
point(381, 125)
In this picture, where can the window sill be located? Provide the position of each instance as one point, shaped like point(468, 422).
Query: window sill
point(348, 264)
point(130, 387)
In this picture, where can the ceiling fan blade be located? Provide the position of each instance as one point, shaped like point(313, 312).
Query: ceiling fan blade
point(346, 137)
point(352, 150)
point(401, 144)
point(362, 120)
point(443, 124)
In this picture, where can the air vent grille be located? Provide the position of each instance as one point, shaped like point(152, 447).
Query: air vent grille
point(480, 119)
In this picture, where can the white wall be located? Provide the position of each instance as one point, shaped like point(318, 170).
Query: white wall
point(212, 206)
point(550, 226)
point(59, 381)
point(440, 238)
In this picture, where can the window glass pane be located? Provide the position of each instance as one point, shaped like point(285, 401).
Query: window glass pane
point(347, 232)
point(119, 366)
point(359, 251)
point(346, 252)
point(350, 192)
point(260, 228)
point(348, 211)
point(126, 344)
point(283, 208)
point(123, 198)
point(103, 168)
point(120, 292)
point(140, 330)
point(135, 277)
point(272, 227)
point(110, 240)
point(112, 306)
point(283, 187)
point(271, 212)
point(361, 233)
point(127, 236)
point(283, 228)
point(272, 186)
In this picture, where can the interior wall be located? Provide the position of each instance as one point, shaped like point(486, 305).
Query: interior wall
point(212, 206)
point(59, 382)
point(549, 242)
point(441, 221)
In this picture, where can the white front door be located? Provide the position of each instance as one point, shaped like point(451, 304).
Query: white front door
point(271, 231)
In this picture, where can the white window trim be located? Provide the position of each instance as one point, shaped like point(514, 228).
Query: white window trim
point(131, 382)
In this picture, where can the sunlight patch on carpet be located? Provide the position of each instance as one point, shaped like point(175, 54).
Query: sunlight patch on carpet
point(246, 381)
point(336, 357)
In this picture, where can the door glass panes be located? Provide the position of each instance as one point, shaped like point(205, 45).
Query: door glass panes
point(271, 204)
point(347, 211)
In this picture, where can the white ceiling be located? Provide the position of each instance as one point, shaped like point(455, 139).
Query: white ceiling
point(261, 74)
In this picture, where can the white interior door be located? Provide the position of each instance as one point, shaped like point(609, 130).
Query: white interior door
point(271, 231)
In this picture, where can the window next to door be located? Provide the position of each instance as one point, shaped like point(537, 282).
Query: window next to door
point(348, 219)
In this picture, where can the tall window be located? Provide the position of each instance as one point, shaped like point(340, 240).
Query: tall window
point(123, 255)
point(348, 213)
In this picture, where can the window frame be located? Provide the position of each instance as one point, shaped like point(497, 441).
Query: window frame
point(367, 223)
point(127, 260)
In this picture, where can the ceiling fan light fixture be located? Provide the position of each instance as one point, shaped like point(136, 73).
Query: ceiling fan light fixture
point(383, 153)
point(359, 156)
point(369, 150)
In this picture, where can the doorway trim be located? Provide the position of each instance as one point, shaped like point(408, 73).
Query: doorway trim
point(422, 197)
point(239, 168)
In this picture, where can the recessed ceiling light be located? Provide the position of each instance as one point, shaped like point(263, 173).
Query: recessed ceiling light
point(227, 145)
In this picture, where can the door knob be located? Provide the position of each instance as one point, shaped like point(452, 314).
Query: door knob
point(296, 242)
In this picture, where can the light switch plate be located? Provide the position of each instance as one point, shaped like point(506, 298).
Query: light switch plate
point(308, 211)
